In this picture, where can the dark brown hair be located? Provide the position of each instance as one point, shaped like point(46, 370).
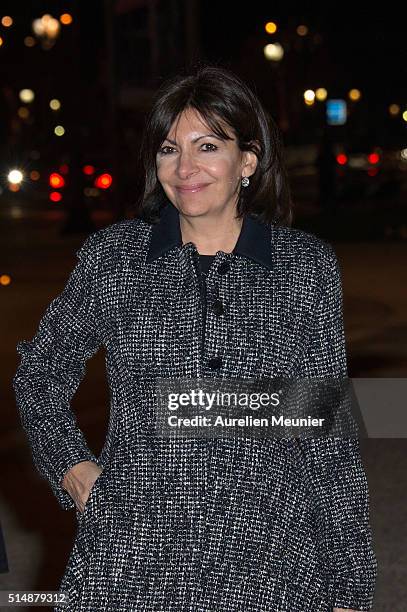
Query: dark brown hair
point(220, 97)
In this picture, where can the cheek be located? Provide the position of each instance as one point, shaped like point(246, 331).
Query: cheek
point(162, 172)
point(165, 175)
point(224, 169)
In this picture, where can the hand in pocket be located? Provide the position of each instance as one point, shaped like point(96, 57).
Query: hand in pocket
point(79, 481)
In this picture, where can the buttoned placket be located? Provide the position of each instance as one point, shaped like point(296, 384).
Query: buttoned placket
point(211, 305)
point(209, 291)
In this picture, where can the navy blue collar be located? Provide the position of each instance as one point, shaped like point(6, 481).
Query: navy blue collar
point(254, 239)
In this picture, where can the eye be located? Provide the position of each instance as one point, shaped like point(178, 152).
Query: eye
point(164, 151)
point(210, 144)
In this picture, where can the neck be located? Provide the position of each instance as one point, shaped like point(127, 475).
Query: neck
point(211, 234)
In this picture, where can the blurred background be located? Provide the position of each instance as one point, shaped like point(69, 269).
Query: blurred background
point(76, 83)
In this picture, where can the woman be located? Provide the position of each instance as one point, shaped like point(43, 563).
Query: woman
point(170, 524)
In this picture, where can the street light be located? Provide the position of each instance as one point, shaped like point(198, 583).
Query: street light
point(6, 21)
point(354, 95)
point(274, 52)
point(66, 19)
point(270, 27)
point(15, 177)
point(26, 95)
point(321, 94)
point(47, 29)
point(309, 97)
point(55, 104)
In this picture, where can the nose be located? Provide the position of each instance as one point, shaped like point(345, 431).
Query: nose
point(187, 164)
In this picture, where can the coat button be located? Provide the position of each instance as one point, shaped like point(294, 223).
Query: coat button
point(215, 363)
point(224, 267)
point(217, 307)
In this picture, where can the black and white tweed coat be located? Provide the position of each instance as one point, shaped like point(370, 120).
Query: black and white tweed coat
point(198, 525)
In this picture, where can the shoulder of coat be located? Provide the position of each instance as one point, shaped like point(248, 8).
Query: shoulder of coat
point(298, 244)
point(127, 237)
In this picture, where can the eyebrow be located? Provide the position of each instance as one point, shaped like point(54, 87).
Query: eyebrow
point(196, 139)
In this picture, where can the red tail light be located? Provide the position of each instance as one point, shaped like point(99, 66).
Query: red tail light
point(373, 158)
point(55, 196)
point(342, 159)
point(88, 169)
point(56, 181)
point(104, 181)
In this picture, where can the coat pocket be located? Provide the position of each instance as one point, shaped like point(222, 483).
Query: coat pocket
point(94, 494)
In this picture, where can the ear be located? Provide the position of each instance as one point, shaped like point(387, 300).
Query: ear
point(250, 161)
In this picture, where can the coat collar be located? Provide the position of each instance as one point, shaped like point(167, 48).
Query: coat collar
point(254, 239)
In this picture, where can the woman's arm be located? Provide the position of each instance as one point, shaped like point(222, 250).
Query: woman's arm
point(334, 464)
point(51, 368)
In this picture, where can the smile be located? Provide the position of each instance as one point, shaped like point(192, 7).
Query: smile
point(191, 188)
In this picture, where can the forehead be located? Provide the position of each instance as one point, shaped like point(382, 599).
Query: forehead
point(190, 122)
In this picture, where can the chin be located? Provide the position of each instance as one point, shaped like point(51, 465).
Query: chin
point(193, 208)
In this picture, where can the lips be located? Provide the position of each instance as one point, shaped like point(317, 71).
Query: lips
point(191, 188)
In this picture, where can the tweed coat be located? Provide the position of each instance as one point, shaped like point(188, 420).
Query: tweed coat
point(198, 525)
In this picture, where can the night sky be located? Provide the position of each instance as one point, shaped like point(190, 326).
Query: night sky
point(365, 45)
point(346, 47)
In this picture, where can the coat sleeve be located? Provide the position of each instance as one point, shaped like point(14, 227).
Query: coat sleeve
point(51, 368)
point(334, 464)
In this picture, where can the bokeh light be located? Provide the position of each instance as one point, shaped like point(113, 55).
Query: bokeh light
point(104, 181)
point(29, 41)
point(66, 19)
point(309, 97)
point(55, 104)
point(6, 21)
point(26, 95)
point(321, 94)
point(56, 181)
point(302, 30)
point(15, 177)
point(55, 196)
point(354, 95)
point(270, 27)
point(47, 27)
point(273, 52)
point(373, 158)
point(5, 280)
point(394, 109)
point(59, 130)
point(89, 170)
point(23, 112)
point(342, 159)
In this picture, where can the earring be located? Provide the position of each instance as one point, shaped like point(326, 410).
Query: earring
point(245, 181)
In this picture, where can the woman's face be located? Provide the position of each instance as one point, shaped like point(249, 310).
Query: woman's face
point(200, 172)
